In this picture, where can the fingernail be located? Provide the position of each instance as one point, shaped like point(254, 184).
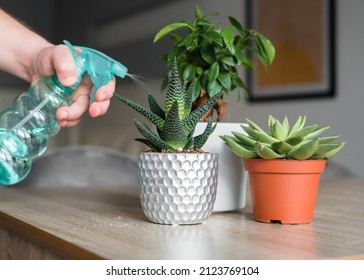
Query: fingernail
point(97, 112)
point(102, 96)
point(68, 81)
point(63, 115)
point(62, 123)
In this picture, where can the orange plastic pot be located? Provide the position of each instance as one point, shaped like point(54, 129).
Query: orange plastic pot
point(284, 191)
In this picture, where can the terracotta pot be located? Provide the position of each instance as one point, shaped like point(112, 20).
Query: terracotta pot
point(284, 191)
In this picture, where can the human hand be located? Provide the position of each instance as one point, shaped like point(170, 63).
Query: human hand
point(58, 59)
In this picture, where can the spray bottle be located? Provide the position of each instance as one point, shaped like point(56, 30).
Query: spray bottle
point(26, 127)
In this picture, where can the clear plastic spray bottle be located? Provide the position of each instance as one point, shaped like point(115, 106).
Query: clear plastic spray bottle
point(26, 127)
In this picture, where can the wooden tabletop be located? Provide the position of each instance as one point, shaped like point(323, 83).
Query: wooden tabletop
point(90, 223)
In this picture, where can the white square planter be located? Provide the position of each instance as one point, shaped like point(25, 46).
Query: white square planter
point(232, 179)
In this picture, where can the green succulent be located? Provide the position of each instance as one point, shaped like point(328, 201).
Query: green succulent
point(175, 125)
point(209, 54)
point(298, 142)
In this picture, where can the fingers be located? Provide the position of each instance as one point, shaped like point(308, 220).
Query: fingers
point(71, 115)
point(66, 71)
point(98, 109)
point(64, 65)
point(103, 96)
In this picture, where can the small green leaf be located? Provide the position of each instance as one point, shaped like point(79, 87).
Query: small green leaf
point(268, 48)
point(189, 73)
point(169, 28)
point(238, 149)
point(229, 60)
point(281, 147)
point(175, 53)
point(329, 153)
point(237, 25)
point(240, 57)
point(190, 41)
point(199, 70)
point(328, 139)
point(198, 11)
point(213, 71)
point(263, 60)
point(225, 80)
point(265, 49)
point(240, 83)
point(240, 43)
point(214, 88)
point(244, 60)
point(228, 38)
point(176, 38)
point(213, 36)
point(265, 152)
point(196, 89)
point(207, 52)
point(204, 80)
point(305, 150)
point(248, 64)
point(324, 148)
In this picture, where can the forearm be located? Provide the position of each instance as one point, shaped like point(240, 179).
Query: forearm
point(18, 47)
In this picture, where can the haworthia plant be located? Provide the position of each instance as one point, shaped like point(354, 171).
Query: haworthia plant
point(175, 124)
point(283, 141)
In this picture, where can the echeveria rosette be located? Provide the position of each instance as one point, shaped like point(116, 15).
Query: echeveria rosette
point(298, 142)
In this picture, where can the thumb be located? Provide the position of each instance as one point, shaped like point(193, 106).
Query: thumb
point(64, 65)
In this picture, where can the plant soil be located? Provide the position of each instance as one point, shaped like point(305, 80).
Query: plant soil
point(182, 151)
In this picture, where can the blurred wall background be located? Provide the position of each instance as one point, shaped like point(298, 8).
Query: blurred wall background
point(125, 31)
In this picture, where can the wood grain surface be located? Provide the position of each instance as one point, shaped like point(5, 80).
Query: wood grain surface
point(99, 223)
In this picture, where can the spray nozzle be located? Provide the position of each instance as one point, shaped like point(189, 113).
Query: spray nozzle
point(97, 65)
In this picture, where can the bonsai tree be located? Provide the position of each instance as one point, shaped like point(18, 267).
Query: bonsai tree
point(175, 124)
point(298, 142)
point(208, 56)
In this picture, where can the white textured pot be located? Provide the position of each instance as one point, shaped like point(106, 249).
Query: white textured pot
point(177, 188)
point(232, 180)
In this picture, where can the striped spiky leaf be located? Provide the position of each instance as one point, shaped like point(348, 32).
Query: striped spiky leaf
point(154, 107)
point(174, 91)
point(201, 139)
point(188, 100)
point(173, 132)
point(146, 142)
point(155, 119)
point(192, 119)
point(191, 141)
point(154, 140)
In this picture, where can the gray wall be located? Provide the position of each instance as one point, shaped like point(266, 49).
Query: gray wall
point(343, 113)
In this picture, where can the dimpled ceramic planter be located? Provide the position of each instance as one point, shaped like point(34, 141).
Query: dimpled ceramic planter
point(284, 191)
point(177, 188)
